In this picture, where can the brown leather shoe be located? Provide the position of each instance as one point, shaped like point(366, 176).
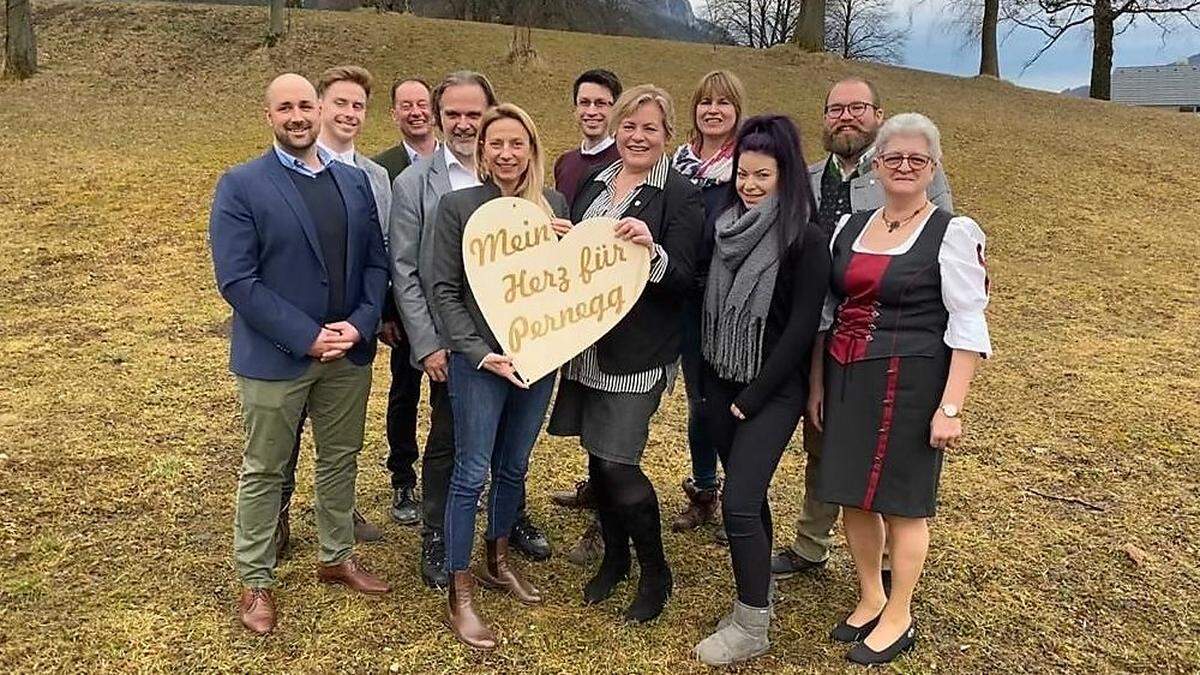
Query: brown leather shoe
point(353, 575)
point(364, 531)
point(590, 547)
point(579, 498)
point(466, 624)
point(702, 505)
point(496, 573)
point(283, 533)
point(256, 609)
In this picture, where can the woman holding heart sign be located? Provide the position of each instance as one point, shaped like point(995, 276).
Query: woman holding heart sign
point(609, 392)
point(497, 415)
point(762, 306)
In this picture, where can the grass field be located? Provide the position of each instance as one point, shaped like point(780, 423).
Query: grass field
point(119, 426)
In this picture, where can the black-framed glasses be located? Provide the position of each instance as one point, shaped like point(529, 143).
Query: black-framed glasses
point(894, 160)
point(856, 109)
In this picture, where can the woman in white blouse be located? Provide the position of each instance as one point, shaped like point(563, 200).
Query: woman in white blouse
point(903, 332)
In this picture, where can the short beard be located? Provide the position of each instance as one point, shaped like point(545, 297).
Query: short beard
point(285, 141)
point(458, 144)
point(847, 146)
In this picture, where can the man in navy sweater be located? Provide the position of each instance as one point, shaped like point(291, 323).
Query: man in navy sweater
point(299, 255)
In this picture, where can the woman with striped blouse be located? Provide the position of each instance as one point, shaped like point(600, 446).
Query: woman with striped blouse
point(609, 392)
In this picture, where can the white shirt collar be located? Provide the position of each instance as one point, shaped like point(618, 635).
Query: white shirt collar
point(343, 157)
point(459, 175)
point(599, 148)
point(413, 154)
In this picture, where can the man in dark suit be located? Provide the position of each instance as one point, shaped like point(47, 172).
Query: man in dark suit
point(411, 112)
point(299, 255)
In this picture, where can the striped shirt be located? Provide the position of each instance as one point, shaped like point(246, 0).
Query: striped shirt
point(585, 368)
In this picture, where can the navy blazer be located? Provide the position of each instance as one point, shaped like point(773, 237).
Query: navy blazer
point(269, 266)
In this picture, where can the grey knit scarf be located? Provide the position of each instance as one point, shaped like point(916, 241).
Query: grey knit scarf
point(741, 281)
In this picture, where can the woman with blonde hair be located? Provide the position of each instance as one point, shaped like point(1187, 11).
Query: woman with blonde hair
point(718, 108)
point(609, 392)
point(497, 415)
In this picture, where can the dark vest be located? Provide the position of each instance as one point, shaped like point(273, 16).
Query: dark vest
point(890, 305)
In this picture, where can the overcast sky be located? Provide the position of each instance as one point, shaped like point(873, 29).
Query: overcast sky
point(931, 46)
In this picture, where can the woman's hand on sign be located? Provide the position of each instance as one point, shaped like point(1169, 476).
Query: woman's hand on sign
point(636, 231)
point(503, 366)
point(561, 226)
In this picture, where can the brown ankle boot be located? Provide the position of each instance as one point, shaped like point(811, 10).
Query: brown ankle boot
point(702, 505)
point(467, 626)
point(496, 573)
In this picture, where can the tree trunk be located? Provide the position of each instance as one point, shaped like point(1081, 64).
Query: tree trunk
point(847, 21)
point(989, 59)
point(810, 26)
point(276, 29)
point(20, 45)
point(1102, 50)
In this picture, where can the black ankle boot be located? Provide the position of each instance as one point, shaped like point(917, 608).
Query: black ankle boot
point(614, 568)
point(655, 582)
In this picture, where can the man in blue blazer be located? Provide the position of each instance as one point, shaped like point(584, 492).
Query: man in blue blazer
point(299, 255)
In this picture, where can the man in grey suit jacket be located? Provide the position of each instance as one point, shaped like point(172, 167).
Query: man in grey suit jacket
point(343, 92)
point(843, 182)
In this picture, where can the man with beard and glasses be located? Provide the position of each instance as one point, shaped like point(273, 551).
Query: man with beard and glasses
point(842, 183)
point(298, 253)
point(458, 104)
point(343, 92)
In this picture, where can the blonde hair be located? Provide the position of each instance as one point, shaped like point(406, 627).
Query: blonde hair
point(714, 85)
point(632, 99)
point(533, 183)
point(356, 74)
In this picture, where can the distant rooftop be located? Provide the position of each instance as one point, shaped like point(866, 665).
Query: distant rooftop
point(1172, 85)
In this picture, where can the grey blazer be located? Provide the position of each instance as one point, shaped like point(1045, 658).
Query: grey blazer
point(866, 192)
point(466, 330)
point(415, 196)
point(381, 188)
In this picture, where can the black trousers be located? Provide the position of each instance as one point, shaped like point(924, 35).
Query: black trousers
point(750, 450)
point(437, 464)
point(404, 395)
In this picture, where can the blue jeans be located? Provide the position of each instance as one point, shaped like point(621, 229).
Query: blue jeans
point(704, 453)
point(495, 427)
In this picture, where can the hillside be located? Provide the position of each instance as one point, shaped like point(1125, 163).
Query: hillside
point(1068, 537)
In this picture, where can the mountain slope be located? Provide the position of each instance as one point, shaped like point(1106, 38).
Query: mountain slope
point(1068, 535)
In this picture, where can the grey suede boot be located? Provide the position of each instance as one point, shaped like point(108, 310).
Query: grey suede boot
point(743, 638)
point(724, 621)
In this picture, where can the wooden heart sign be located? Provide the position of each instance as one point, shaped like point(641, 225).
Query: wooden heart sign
point(547, 299)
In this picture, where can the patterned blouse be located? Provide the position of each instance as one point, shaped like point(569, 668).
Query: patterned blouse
point(585, 368)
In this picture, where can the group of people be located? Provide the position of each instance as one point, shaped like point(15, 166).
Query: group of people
point(845, 293)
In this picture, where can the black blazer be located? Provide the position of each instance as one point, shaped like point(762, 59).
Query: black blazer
point(649, 335)
point(468, 332)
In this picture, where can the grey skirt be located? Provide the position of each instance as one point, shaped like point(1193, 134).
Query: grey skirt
point(613, 427)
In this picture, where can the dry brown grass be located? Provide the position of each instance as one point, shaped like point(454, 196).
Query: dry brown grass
point(119, 423)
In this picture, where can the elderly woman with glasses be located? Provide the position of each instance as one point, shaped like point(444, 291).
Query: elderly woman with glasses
point(903, 332)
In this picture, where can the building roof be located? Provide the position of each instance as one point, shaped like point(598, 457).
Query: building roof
point(1157, 85)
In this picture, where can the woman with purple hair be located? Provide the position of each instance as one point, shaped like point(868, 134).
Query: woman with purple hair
point(762, 307)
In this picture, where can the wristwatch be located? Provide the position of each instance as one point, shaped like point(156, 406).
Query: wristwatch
point(949, 410)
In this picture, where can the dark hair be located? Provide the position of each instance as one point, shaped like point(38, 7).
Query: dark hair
point(778, 137)
point(600, 76)
point(846, 80)
point(405, 80)
point(456, 79)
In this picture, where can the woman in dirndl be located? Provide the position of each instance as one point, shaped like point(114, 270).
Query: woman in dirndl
point(905, 330)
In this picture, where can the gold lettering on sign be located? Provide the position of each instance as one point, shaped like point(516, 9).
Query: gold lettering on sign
point(500, 244)
point(597, 307)
point(524, 284)
point(595, 258)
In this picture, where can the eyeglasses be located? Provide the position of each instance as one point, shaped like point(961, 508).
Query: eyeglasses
point(893, 161)
point(599, 104)
point(856, 109)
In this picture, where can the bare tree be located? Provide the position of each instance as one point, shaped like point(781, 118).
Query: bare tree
point(276, 28)
point(864, 30)
point(1055, 18)
point(810, 26)
point(756, 23)
point(20, 44)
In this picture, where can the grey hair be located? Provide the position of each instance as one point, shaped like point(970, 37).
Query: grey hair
point(911, 124)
